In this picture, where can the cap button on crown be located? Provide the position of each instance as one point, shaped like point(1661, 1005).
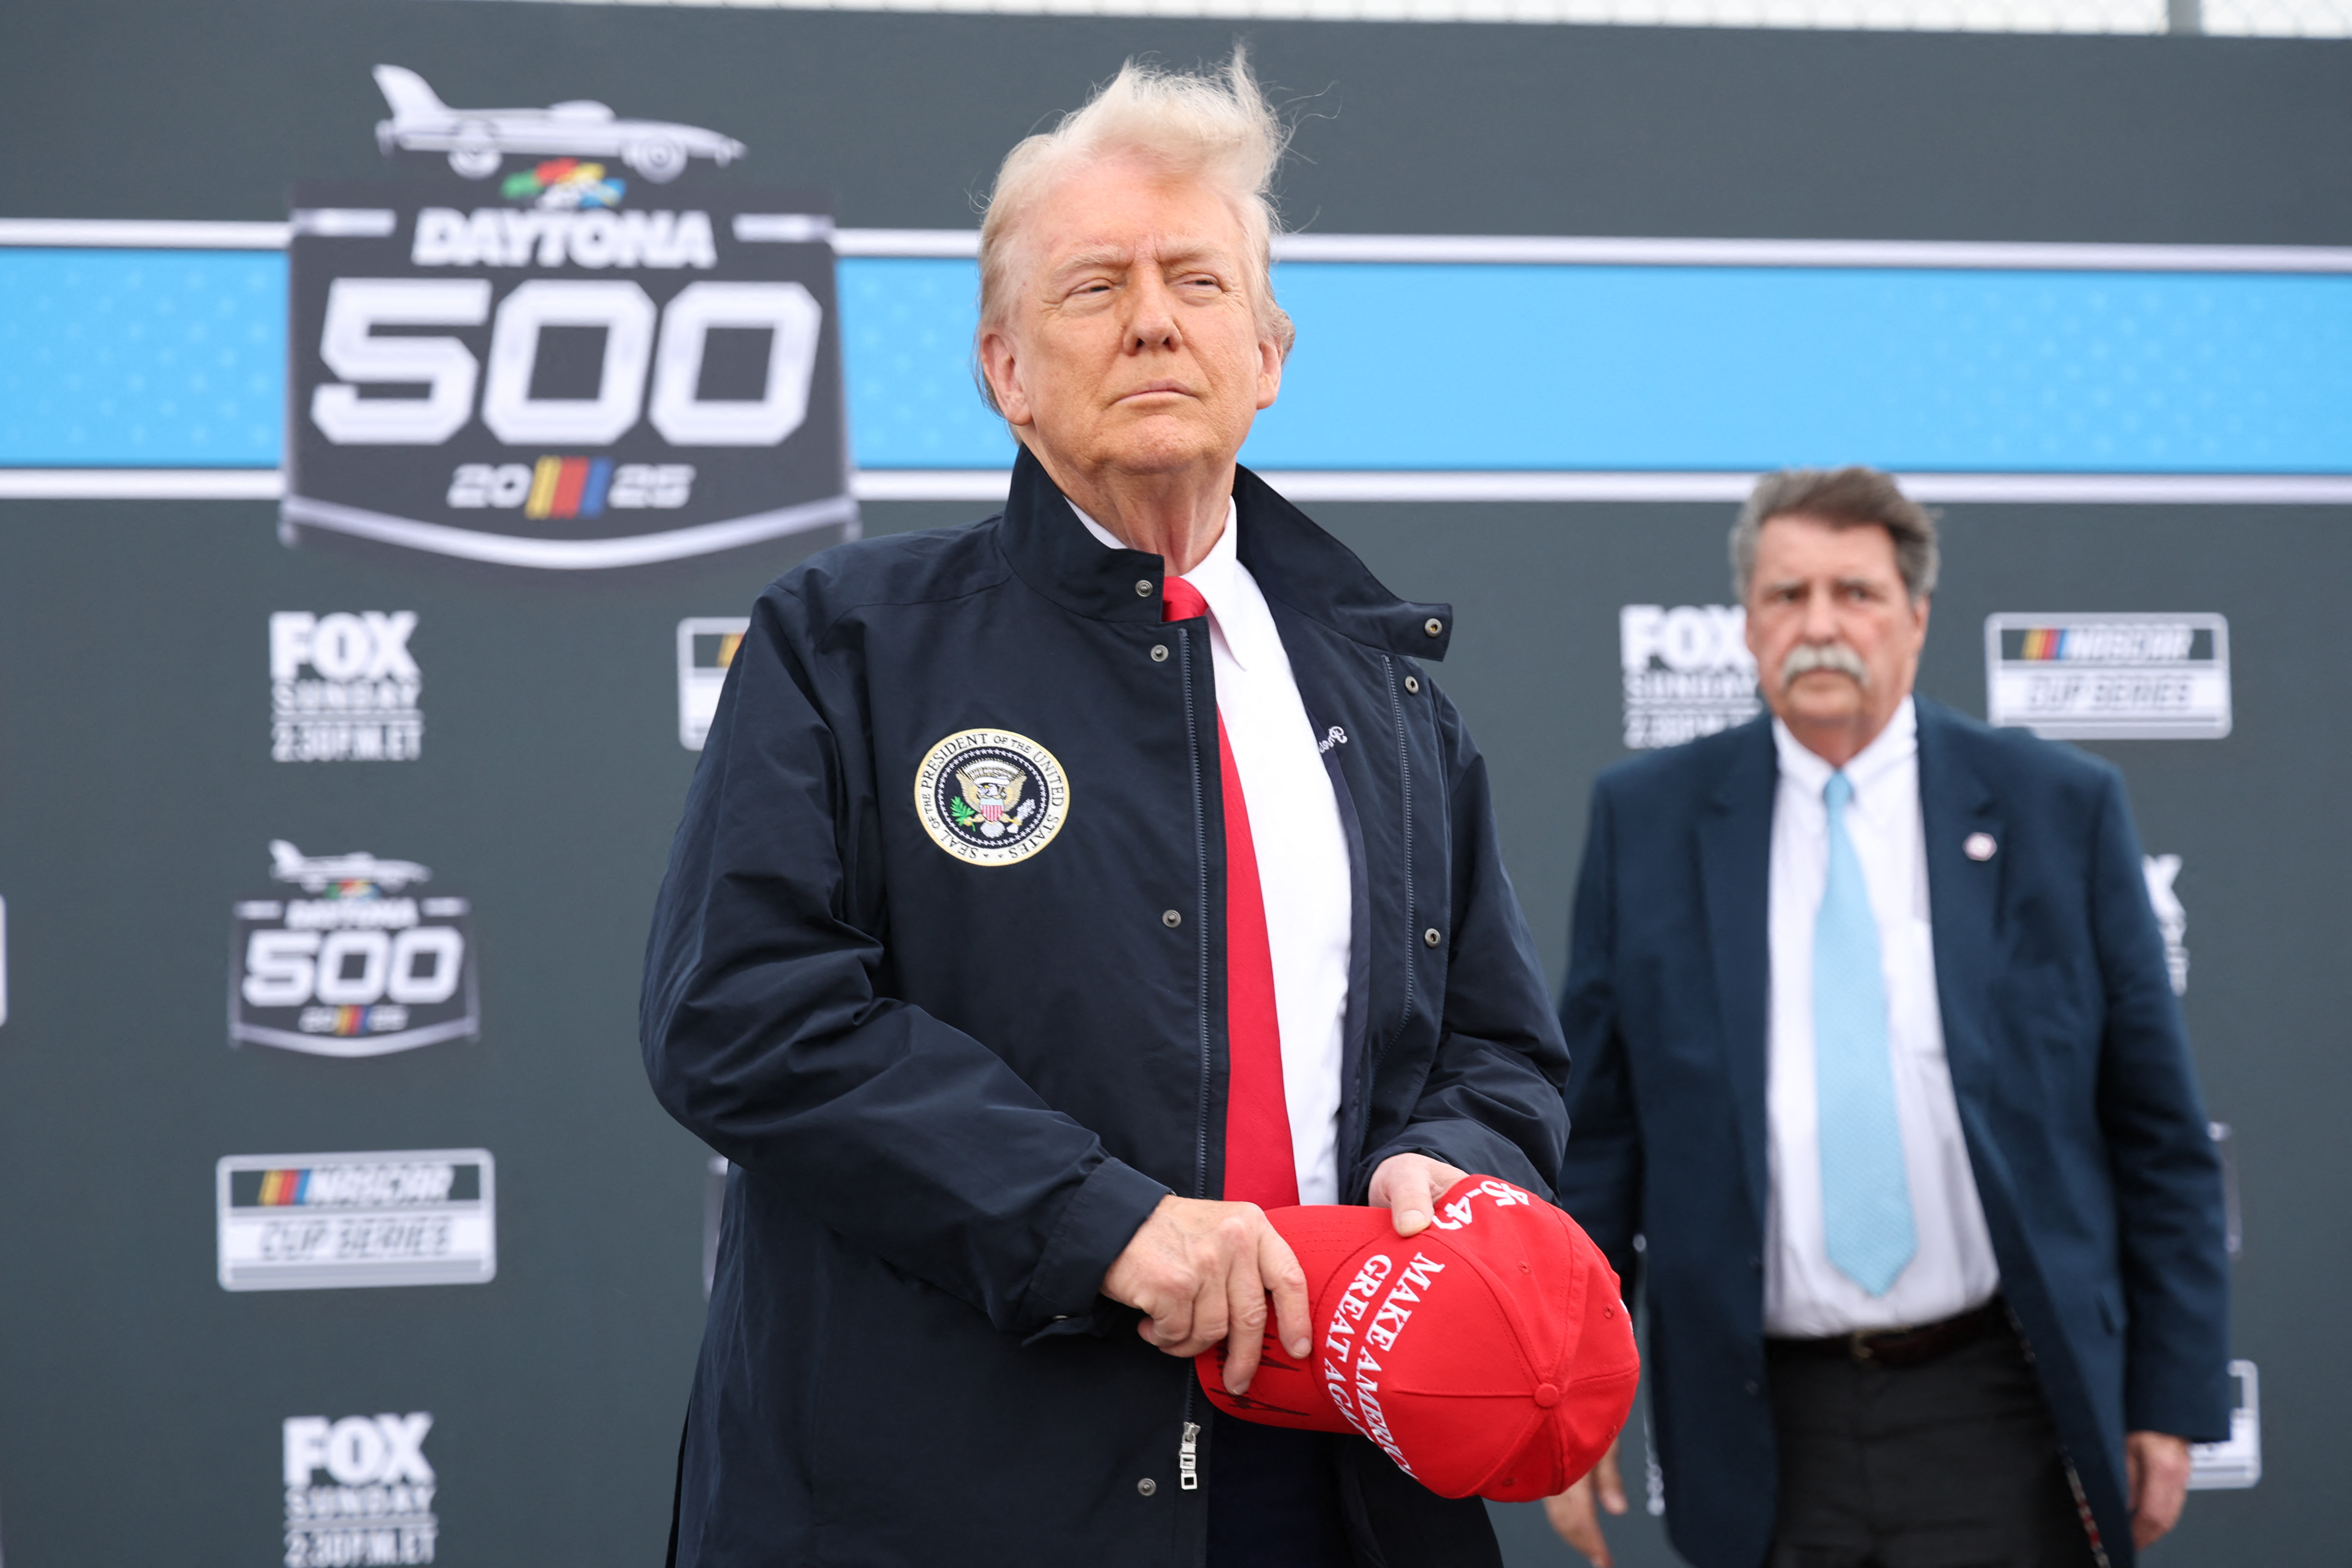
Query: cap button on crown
point(1547, 1395)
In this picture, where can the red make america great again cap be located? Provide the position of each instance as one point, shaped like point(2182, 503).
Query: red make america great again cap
point(1488, 1355)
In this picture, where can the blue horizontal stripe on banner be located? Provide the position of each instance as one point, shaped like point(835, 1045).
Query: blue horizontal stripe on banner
point(142, 358)
point(176, 358)
point(907, 329)
point(1415, 366)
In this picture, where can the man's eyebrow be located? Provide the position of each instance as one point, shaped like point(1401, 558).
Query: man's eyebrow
point(1093, 256)
point(1183, 249)
point(1173, 253)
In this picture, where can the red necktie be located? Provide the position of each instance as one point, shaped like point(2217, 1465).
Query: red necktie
point(1259, 1167)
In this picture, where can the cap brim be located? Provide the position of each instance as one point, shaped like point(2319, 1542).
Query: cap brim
point(1286, 1391)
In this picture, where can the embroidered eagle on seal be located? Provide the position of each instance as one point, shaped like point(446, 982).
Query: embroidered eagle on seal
point(990, 803)
point(991, 797)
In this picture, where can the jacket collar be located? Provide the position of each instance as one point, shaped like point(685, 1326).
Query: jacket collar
point(1293, 561)
point(1950, 785)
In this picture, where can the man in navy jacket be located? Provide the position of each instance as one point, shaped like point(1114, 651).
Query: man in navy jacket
point(941, 963)
point(1882, 1096)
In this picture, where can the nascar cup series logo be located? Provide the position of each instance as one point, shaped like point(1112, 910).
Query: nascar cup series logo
point(350, 960)
point(2109, 677)
point(706, 645)
point(991, 797)
point(323, 1222)
point(359, 1490)
point(579, 364)
point(2235, 1462)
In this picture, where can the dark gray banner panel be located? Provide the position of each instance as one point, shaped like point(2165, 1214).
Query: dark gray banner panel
point(341, 1227)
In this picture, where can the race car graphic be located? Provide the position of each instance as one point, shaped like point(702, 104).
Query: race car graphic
point(477, 140)
point(316, 873)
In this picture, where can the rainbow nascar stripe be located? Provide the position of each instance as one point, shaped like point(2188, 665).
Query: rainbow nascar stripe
point(569, 487)
point(283, 1189)
point(2044, 643)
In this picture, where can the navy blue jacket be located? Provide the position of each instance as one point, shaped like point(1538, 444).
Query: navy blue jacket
point(2100, 1183)
point(952, 1091)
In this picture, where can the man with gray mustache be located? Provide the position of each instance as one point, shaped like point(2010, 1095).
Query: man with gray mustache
point(1835, 658)
point(1883, 1107)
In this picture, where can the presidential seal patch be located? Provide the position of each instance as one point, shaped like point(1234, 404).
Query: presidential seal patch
point(991, 797)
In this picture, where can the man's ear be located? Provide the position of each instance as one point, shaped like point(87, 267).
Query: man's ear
point(1269, 372)
point(1000, 363)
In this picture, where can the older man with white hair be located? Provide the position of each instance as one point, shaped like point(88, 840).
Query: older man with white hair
point(1057, 894)
point(1883, 1104)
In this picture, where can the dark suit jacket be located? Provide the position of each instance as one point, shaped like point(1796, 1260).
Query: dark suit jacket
point(2100, 1183)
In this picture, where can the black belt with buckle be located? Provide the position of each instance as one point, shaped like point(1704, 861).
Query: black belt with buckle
point(1902, 1347)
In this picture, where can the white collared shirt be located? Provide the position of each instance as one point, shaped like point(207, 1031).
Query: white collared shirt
point(1302, 851)
point(1805, 1295)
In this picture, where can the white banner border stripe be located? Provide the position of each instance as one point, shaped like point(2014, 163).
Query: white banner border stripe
point(1327, 486)
point(1527, 250)
point(1892, 254)
point(1383, 486)
point(141, 484)
point(155, 233)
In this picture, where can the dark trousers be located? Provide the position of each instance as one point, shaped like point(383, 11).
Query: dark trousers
point(1274, 1500)
point(1951, 1463)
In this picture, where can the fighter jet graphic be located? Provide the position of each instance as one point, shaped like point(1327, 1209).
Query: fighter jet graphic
point(477, 140)
point(314, 873)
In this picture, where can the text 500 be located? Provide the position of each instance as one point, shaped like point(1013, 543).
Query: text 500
point(416, 967)
point(651, 366)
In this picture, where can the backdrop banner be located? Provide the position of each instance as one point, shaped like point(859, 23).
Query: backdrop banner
point(386, 476)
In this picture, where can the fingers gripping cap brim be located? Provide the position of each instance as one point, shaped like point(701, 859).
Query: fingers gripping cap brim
point(1330, 1242)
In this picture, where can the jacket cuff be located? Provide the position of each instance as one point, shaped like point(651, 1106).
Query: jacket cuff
point(2200, 1416)
point(1468, 1147)
point(1110, 1207)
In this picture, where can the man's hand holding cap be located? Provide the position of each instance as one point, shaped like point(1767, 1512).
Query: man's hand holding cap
point(1488, 1354)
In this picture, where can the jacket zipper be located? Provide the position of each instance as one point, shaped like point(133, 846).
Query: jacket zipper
point(1404, 775)
point(1187, 1455)
point(1200, 929)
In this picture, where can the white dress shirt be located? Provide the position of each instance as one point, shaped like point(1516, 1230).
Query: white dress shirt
point(1805, 1295)
point(1302, 852)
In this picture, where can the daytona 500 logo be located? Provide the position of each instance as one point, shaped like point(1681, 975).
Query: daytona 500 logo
point(549, 371)
point(351, 960)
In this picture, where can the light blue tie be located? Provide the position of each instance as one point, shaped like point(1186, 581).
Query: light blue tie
point(1865, 1201)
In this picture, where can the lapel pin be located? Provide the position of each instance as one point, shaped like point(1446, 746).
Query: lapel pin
point(1979, 847)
